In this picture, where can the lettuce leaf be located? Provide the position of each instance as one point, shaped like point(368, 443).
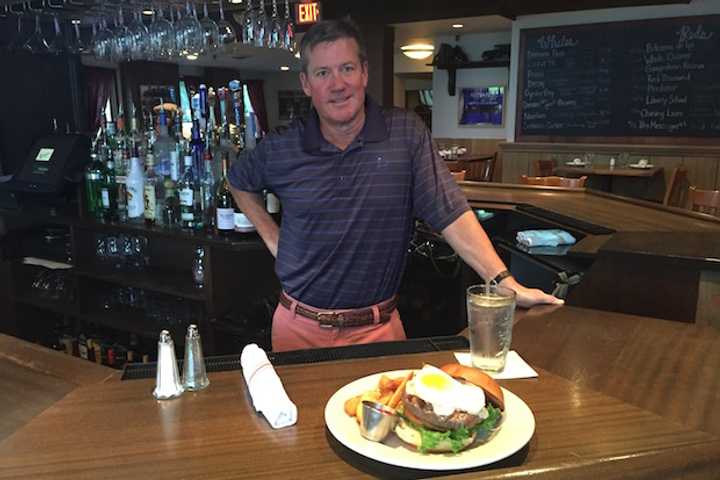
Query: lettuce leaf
point(431, 438)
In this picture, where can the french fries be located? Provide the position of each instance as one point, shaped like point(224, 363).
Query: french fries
point(389, 391)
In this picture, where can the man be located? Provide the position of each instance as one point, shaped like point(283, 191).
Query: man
point(351, 179)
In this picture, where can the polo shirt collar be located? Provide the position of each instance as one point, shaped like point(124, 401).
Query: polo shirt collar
point(374, 130)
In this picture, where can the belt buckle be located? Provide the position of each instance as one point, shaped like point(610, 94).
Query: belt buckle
point(326, 319)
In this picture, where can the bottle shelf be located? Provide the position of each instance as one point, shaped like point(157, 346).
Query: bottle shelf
point(55, 306)
point(170, 283)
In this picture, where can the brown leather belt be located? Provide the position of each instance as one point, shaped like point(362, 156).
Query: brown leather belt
point(343, 318)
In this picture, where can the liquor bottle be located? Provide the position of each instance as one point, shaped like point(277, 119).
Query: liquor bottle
point(122, 146)
point(93, 184)
point(224, 203)
point(171, 212)
point(122, 213)
point(188, 193)
point(135, 184)
point(164, 146)
point(109, 191)
point(135, 138)
point(207, 190)
point(153, 194)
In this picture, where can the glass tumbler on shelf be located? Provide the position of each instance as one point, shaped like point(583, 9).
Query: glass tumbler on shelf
point(490, 311)
point(198, 267)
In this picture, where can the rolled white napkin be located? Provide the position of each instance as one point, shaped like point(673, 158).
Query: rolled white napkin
point(266, 389)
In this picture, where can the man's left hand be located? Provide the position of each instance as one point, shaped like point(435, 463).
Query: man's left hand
point(529, 297)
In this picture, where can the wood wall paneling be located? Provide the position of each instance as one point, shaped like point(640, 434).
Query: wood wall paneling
point(702, 171)
point(708, 304)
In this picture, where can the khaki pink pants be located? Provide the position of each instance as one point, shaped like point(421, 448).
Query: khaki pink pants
point(295, 332)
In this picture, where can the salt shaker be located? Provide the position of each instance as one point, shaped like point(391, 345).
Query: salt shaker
point(194, 375)
point(167, 378)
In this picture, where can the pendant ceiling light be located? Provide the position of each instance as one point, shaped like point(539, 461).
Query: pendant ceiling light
point(417, 51)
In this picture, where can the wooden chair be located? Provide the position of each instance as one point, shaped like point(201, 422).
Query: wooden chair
point(676, 194)
point(459, 176)
point(545, 168)
point(705, 201)
point(553, 181)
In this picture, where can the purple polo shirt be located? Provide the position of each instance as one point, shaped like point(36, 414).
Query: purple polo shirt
point(348, 216)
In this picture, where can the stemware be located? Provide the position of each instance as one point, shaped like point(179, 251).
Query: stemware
point(189, 37)
point(36, 42)
point(248, 34)
point(162, 35)
point(138, 37)
point(16, 44)
point(76, 45)
point(276, 28)
point(226, 32)
point(102, 40)
point(289, 30)
point(210, 29)
point(120, 44)
point(58, 45)
point(262, 26)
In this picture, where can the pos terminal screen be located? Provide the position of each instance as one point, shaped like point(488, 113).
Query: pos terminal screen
point(42, 159)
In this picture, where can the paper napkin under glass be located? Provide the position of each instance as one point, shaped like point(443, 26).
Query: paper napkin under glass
point(266, 390)
point(515, 366)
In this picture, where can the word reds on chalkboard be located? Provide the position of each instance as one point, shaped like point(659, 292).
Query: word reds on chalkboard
point(651, 78)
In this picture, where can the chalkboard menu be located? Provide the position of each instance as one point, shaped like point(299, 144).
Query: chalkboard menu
point(651, 78)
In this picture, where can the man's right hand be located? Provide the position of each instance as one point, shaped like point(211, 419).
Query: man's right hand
point(253, 206)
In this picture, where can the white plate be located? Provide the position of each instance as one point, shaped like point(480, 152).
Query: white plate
point(574, 164)
point(637, 165)
point(516, 430)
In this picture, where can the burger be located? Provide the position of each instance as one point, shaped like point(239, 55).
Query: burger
point(448, 409)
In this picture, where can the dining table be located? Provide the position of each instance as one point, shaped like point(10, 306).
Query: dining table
point(641, 181)
point(616, 396)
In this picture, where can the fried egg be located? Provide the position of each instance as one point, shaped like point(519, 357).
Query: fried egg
point(444, 393)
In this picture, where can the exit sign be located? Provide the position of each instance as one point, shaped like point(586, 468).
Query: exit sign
point(307, 12)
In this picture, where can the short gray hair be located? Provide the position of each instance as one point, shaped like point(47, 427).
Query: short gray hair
point(329, 31)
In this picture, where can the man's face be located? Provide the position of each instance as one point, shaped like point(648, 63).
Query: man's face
point(336, 81)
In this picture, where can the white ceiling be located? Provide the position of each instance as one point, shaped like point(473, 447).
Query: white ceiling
point(427, 31)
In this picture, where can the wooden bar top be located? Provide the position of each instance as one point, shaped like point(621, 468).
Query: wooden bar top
point(118, 429)
point(32, 378)
point(611, 211)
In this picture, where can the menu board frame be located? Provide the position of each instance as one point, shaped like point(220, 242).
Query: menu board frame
point(602, 29)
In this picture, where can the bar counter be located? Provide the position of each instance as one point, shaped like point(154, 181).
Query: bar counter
point(602, 375)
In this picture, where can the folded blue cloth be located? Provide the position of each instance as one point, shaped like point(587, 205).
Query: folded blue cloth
point(544, 238)
point(483, 214)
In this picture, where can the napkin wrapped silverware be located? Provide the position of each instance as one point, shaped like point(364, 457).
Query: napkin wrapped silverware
point(266, 389)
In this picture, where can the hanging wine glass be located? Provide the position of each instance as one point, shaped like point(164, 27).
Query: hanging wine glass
point(188, 34)
point(210, 29)
point(289, 30)
point(162, 36)
point(138, 36)
point(121, 39)
point(276, 29)
point(262, 26)
point(102, 40)
point(248, 34)
point(16, 44)
point(76, 45)
point(36, 42)
point(57, 45)
point(226, 32)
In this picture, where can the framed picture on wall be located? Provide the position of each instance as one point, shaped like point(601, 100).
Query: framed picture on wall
point(482, 106)
point(291, 104)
